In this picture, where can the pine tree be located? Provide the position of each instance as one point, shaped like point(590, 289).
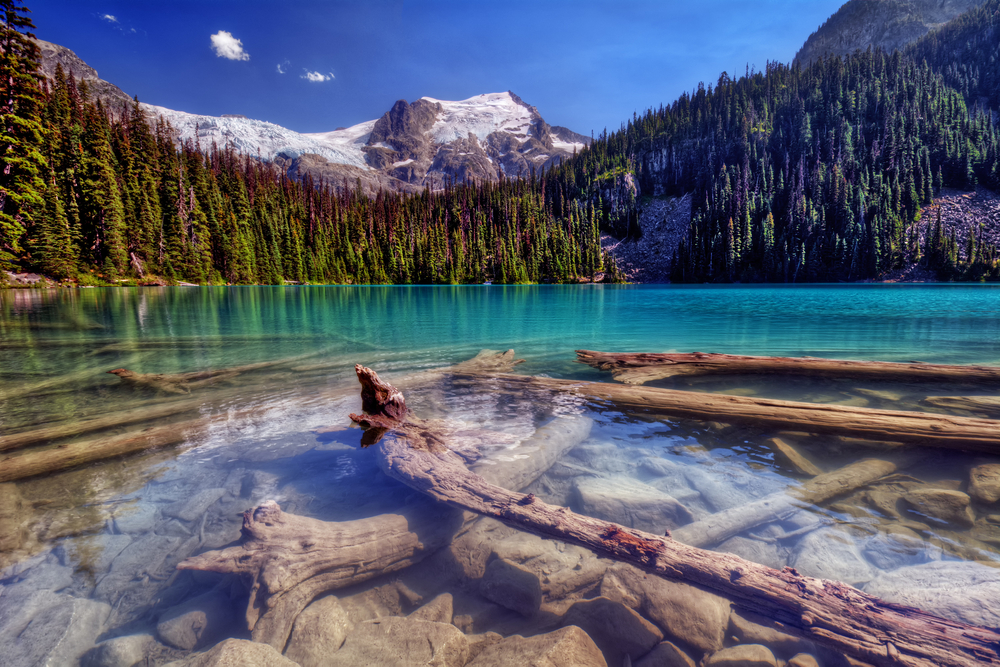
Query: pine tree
point(22, 163)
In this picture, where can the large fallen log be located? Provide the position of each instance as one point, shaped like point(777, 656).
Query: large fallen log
point(290, 560)
point(720, 526)
point(947, 431)
point(642, 367)
point(829, 613)
point(73, 427)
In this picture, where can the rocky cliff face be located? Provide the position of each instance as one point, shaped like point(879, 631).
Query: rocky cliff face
point(889, 24)
point(411, 146)
point(53, 54)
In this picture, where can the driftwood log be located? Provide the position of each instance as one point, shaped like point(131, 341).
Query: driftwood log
point(71, 428)
point(830, 613)
point(720, 526)
point(945, 431)
point(642, 367)
point(290, 560)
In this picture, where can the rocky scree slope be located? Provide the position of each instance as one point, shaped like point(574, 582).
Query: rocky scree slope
point(888, 24)
point(53, 55)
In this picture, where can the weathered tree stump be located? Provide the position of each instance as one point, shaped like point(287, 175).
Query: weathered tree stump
point(829, 613)
point(642, 367)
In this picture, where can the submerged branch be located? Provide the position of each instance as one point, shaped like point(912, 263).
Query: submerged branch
point(641, 367)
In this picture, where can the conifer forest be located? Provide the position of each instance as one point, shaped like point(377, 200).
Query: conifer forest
point(798, 174)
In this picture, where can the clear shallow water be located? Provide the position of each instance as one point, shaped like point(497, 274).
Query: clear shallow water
point(111, 533)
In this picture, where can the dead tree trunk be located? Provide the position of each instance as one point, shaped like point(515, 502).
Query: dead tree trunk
point(947, 431)
point(289, 560)
point(641, 367)
point(720, 526)
point(829, 613)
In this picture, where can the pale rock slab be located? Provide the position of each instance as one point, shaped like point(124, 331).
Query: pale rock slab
point(685, 613)
point(629, 502)
point(402, 642)
point(319, 631)
point(765, 553)
point(802, 660)
point(617, 630)
point(829, 553)
point(958, 590)
point(567, 647)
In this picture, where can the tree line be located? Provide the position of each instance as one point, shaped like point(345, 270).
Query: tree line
point(95, 195)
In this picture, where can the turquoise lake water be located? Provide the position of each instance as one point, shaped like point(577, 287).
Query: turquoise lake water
point(110, 533)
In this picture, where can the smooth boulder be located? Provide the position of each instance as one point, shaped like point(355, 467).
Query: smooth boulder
point(236, 653)
point(197, 622)
point(394, 641)
point(511, 586)
point(685, 613)
point(319, 630)
point(958, 590)
point(617, 630)
point(984, 483)
point(567, 647)
point(943, 505)
point(744, 655)
point(631, 503)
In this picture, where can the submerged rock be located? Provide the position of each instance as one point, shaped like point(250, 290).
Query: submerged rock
point(765, 553)
point(46, 628)
point(897, 548)
point(950, 507)
point(568, 647)
point(511, 586)
point(802, 660)
point(746, 655)
point(564, 570)
point(631, 503)
point(665, 654)
point(750, 628)
point(617, 630)
point(118, 652)
point(830, 553)
point(961, 591)
point(440, 610)
point(402, 642)
point(236, 652)
point(319, 631)
point(984, 483)
point(685, 613)
point(198, 622)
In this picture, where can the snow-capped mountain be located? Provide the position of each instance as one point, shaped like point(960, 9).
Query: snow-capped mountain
point(410, 146)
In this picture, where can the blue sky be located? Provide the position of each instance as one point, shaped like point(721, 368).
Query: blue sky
point(585, 65)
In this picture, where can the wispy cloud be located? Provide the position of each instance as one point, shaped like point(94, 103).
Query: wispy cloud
point(282, 66)
point(109, 18)
point(318, 77)
point(227, 46)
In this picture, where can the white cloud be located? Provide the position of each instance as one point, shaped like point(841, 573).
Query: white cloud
point(281, 67)
point(109, 18)
point(227, 46)
point(318, 77)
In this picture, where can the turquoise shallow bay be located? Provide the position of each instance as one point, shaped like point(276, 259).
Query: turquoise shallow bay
point(107, 536)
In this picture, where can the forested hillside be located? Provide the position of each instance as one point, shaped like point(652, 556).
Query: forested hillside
point(810, 174)
point(967, 53)
point(101, 195)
